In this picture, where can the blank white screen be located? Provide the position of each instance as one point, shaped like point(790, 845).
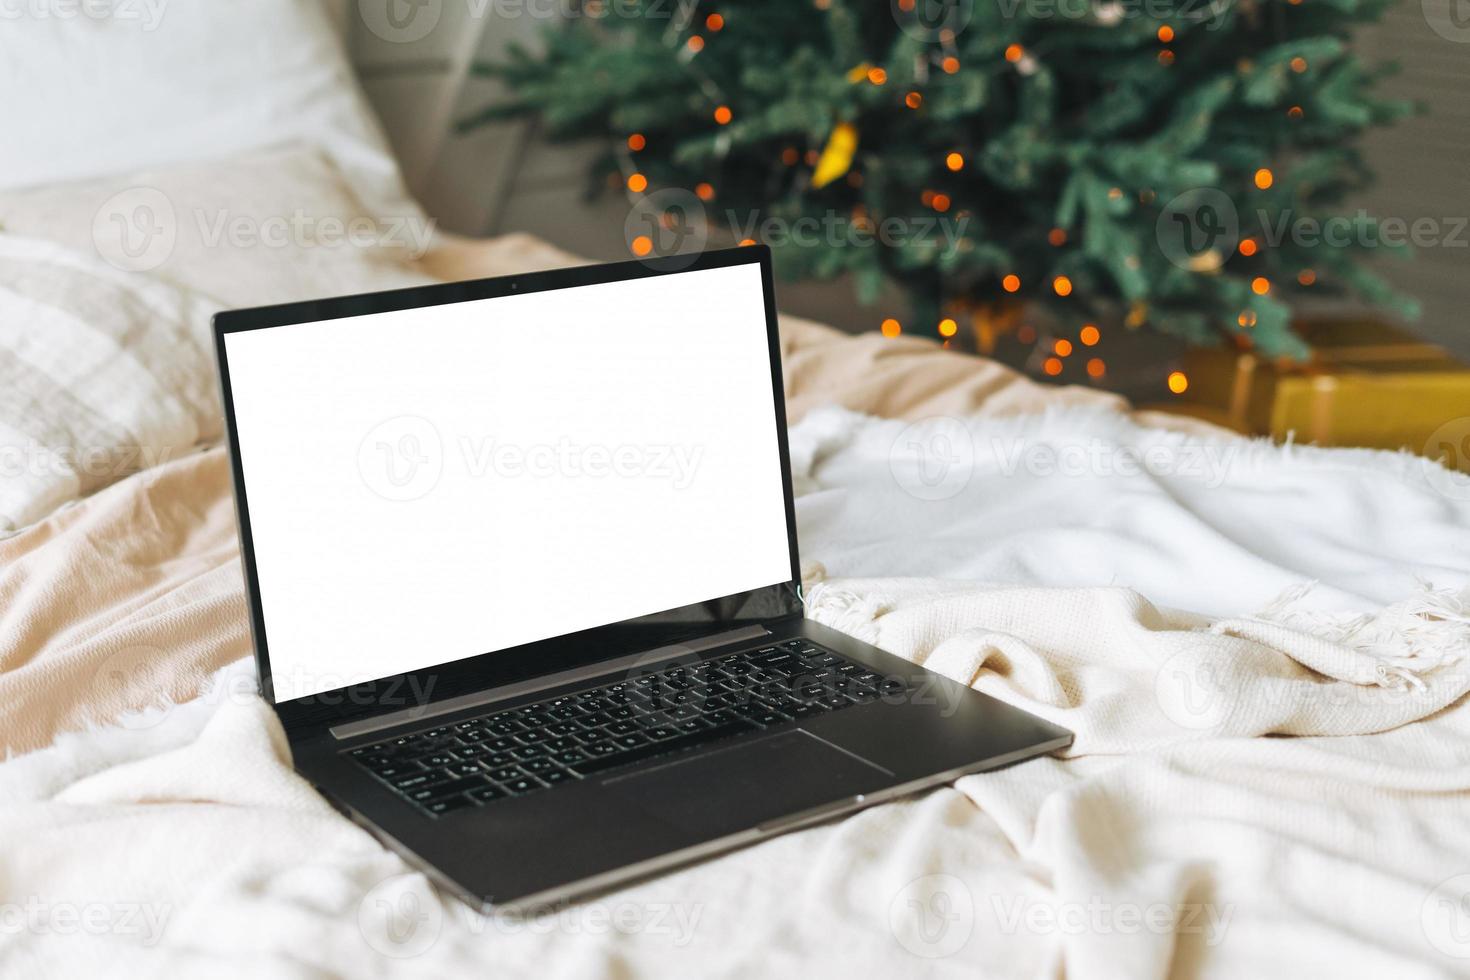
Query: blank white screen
point(433, 484)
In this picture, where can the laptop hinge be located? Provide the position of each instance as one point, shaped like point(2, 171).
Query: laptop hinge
point(367, 726)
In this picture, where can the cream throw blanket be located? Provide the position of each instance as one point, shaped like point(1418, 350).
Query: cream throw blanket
point(1174, 841)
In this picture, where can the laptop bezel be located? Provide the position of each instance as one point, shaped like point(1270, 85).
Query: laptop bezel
point(493, 669)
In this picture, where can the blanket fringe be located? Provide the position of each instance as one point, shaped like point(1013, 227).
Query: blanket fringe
point(1428, 630)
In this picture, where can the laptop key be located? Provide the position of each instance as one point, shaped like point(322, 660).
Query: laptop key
point(652, 749)
point(522, 786)
point(485, 794)
point(448, 803)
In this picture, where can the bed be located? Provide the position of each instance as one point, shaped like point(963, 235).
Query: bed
point(1260, 647)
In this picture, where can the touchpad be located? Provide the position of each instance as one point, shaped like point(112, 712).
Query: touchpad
point(753, 782)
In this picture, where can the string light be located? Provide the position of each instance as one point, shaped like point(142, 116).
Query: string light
point(705, 192)
point(695, 43)
point(1298, 64)
point(1062, 285)
point(746, 241)
point(1166, 34)
point(642, 245)
point(1178, 382)
point(723, 115)
point(1260, 285)
point(1166, 57)
point(1096, 368)
point(1295, 112)
point(1063, 347)
point(715, 23)
point(1306, 277)
point(927, 199)
point(913, 100)
point(1011, 283)
point(1052, 366)
point(1265, 178)
point(948, 327)
point(637, 183)
point(789, 156)
point(891, 327)
point(636, 142)
point(1247, 319)
point(877, 76)
point(954, 161)
point(941, 203)
point(1248, 247)
point(1056, 237)
point(1089, 335)
point(1015, 53)
point(950, 65)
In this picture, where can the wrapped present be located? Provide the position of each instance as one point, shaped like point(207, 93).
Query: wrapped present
point(1367, 384)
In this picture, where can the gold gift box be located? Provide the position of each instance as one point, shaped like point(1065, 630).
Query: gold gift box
point(1367, 384)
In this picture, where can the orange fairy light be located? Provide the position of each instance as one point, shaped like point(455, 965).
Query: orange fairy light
point(1063, 347)
point(637, 142)
point(723, 115)
point(642, 245)
point(1052, 366)
point(1096, 368)
point(1260, 285)
point(891, 327)
point(637, 183)
point(948, 327)
point(1089, 335)
point(1062, 285)
point(1178, 382)
point(1011, 283)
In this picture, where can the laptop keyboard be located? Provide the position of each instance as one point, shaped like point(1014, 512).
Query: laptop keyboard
point(527, 749)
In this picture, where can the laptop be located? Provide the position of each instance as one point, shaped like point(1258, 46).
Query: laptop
point(521, 564)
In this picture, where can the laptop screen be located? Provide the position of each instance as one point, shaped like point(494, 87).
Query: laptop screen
point(433, 484)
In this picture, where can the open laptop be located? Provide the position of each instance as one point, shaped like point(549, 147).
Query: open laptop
point(522, 569)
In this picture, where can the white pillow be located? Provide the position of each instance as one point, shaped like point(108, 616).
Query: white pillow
point(97, 87)
point(102, 373)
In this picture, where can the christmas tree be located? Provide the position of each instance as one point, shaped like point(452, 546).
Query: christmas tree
point(1162, 163)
